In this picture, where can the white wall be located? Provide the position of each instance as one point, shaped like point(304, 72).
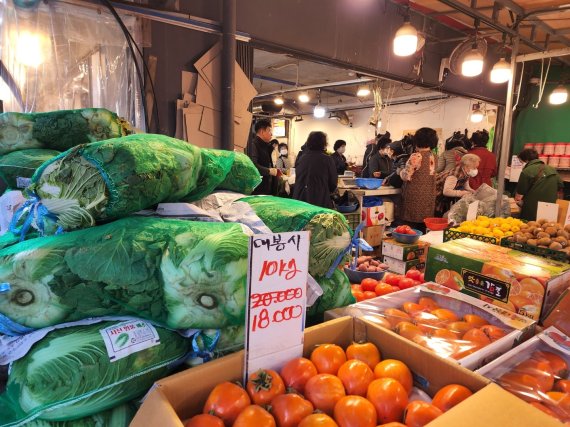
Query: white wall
point(450, 115)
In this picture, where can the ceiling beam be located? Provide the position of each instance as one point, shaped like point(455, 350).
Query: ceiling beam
point(316, 86)
point(555, 53)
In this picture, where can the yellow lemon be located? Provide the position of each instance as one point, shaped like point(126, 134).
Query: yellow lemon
point(515, 228)
point(508, 233)
point(505, 227)
point(498, 232)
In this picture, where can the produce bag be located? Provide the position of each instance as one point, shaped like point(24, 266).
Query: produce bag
point(76, 372)
point(182, 274)
point(17, 167)
point(330, 233)
point(59, 130)
point(120, 416)
point(336, 293)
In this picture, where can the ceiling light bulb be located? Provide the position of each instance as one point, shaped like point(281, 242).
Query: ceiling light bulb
point(406, 40)
point(29, 49)
point(477, 114)
point(319, 112)
point(472, 64)
point(363, 91)
point(501, 72)
point(558, 95)
point(304, 97)
point(279, 100)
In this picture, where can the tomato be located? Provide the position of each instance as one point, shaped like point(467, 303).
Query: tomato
point(358, 295)
point(406, 283)
point(383, 289)
point(413, 274)
point(422, 277)
point(393, 279)
point(411, 307)
point(449, 396)
point(493, 332)
point(391, 368)
point(318, 420)
point(562, 385)
point(323, 391)
point(226, 401)
point(445, 315)
point(264, 385)
point(366, 352)
point(355, 411)
point(368, 284)
point(204, 420)
point(290, 409)
point(254, 416)
point(539, 369)
point(356, 288)
point(369, 295)
point(408, 330)
point(395, 316)
point(474, 320)
point(395, 289)
point(389, 397)
point(355, 376)
point(419, 413)
point(427, 303)
point(297, 372)
point(477, 336)
point(524, 386)
point(557, 363)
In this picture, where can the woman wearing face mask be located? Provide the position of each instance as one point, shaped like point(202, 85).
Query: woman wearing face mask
point(381, 163)
point(283, 161)
point(453, 184)
point(338, 156)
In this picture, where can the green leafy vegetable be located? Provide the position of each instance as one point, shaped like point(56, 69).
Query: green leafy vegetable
point(23, 164)
point(121, 416)
point(336, 293)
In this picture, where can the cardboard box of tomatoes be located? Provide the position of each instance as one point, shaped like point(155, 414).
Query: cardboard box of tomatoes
point(404, 252)
point(402, 267)
point(537, 372)
point(176, 399)
point(526, 284)
point(452, 325)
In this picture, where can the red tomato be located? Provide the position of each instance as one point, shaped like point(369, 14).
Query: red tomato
point(369, 295)
point(405, 283)
point(254, 416)
point(449, 396)
point(323, 391)
point(358, 295)
point(393, 279)
point(355, 376)
point(264, 385)
point(413, 274)
point(204, 420)
point(328, 358)
point(356, 287)
point(368, 284)
point(389, 398)
point(417, 282)
point(419, 413)
point(297, 372)
point(290, 409)
point(318, 420)
point(366, 352)
point(422, 277)
point(355, 411)
point(226, 401)
point(383, 289)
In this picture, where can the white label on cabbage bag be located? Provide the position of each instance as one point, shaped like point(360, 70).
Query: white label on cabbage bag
point(22, 182)
point(129, 337)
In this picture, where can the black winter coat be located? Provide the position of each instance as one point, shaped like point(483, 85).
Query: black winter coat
point(315, 179)
point(259, 152)
point(380, 163)
point(339, 162)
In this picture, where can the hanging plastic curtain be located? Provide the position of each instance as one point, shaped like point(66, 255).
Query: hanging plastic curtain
point(58, 56)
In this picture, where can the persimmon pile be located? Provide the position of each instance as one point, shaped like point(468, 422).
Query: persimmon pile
point(334, 388)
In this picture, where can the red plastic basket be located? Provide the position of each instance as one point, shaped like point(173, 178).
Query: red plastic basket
point(436, 224)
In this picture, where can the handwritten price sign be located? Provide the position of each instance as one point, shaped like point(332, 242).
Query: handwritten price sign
point(277, 279)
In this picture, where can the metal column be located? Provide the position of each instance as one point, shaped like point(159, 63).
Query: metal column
point(228, 72)
point(507, 130)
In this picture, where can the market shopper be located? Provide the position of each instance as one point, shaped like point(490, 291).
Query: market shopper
point(454, 151)
point(488, 165)
point(453, 184)
point(316, 177)
point(538, 182)
point(381, 164)
point(418, 189)
point(283, 161)
point(259, 151)
point(338, 156)
point(368, 153)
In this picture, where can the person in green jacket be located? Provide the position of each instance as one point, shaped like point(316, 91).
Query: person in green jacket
point(538, 183)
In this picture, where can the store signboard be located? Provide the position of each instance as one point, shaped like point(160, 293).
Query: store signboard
point(277, 297)
point(279, 128)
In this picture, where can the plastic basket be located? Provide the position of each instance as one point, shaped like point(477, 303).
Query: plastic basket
point(449, 234)
point(353, 219)
point(535, 250)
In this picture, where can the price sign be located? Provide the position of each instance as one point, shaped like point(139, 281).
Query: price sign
point(277, 279)
point(486, 285)
point(547, 211)
point(472, 211)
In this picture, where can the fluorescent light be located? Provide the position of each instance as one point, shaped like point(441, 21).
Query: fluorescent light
point(279, 100)
point(363, 91)
point(304, 97)
point(319, 112)
point(558, 95)
point(472, 64)
point(501, 72)
point(406, 40)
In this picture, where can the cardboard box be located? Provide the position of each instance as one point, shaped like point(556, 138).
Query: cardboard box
point(373, 234)
point(524, 283)
point(401, 267)
point(559, 314)
point(563, 211)
point(402, 251)
point(373, 216)
point(182, 395)
point(519, 328)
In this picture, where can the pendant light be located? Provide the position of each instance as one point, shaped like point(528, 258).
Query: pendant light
point(406, 39)
point(304, 97)
point(558, 95)
point(501, 72)
point(477, 115)
point(472, 64)
point(278, 100)
point(363, 91)
point(319, 111)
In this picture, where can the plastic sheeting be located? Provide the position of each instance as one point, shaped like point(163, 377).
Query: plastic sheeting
point(58, 56)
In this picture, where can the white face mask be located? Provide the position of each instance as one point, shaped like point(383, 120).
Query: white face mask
point(283, 152)
point(342, 149)
point(473, 173)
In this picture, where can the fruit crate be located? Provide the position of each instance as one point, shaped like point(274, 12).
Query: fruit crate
point(535, 250)
point(450, 234)
point(353, 219)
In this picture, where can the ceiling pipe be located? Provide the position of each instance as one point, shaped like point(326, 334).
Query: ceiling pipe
point(316, 86)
